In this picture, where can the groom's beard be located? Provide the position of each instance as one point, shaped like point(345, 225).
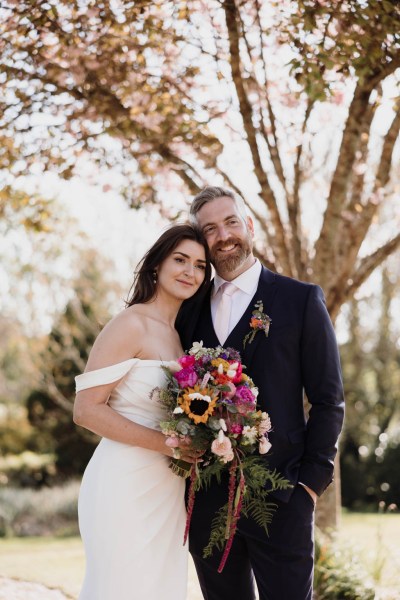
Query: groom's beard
point(227, 264)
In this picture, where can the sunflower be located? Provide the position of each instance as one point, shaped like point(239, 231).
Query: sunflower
point(198, 403)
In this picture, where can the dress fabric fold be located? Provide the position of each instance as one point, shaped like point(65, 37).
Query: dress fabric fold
point(131, 506)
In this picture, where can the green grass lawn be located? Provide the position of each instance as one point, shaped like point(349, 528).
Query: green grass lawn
point(59, 563)
point(376, 539)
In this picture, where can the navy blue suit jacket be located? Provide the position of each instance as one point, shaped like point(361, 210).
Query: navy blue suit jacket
point(299, 355)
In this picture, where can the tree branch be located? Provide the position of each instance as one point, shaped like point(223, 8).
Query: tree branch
point(385, 164)
point(58, 398)
point(246, 113)
point(293, 201)
point(360, 216)
point(273, 149)
point(370, 262)
point(264, 259)
point(183, 169)
point(384, 71)
point(345, 290)
point(325, 248)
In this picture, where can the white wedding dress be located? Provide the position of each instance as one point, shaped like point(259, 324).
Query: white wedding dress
point(131, 505)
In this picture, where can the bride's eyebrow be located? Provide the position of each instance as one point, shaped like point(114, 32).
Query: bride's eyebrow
point(187, 256)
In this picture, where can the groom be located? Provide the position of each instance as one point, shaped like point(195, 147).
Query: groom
point(299, 355)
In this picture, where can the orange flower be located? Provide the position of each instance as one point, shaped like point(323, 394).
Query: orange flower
point(259, 321)
point(255, 323)
point(198, 403)
point(220, 378)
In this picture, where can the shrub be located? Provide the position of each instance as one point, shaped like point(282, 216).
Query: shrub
point(27, 469)
point(48, 511)
point(338, 575)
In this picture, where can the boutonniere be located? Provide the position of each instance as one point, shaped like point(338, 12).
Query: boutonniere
point(259, 321)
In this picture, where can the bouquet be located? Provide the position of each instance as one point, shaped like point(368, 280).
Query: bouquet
point(211, 405)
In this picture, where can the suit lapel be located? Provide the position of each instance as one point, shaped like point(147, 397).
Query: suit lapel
point(266, 292)
point(201, 323)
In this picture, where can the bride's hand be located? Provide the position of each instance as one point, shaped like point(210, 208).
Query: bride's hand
point(186, 453)
point(191, 456)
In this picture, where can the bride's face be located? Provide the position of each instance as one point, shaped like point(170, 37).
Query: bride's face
point(183, 271)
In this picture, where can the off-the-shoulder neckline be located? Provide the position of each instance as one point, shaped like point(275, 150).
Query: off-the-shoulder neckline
point(135, 359)
point(157, 360)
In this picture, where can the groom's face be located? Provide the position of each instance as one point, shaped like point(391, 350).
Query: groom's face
point(229, 236)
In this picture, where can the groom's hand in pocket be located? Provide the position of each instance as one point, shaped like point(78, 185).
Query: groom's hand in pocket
point(311, 492)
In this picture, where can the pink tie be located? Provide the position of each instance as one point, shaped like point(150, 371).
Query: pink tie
point(223, 312)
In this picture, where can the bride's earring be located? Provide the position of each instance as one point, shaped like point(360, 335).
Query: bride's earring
point(154, 276)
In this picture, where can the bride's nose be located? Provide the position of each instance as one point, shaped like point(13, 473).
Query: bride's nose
point(189, 270)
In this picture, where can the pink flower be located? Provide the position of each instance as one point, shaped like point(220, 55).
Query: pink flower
point(238, 376)
point(244, 400)
point(244, 393)
point(186, 361)
point(264, 445)
point(232, 390)
point(236, 428)
point(172, 442)
point(186, 377)
point(222, 447)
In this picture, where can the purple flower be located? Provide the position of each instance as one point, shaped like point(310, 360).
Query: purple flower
point(244, 395)
point(233, 355)
point(186, 377)
point(203, 360)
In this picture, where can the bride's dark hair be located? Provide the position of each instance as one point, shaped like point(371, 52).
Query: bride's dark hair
point(144, 287)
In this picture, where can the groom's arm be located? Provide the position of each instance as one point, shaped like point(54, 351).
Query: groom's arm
point(322, 381)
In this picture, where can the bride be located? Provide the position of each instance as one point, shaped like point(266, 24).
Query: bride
point(131, 506)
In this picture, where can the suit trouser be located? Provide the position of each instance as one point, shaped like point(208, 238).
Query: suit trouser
point(282, 562)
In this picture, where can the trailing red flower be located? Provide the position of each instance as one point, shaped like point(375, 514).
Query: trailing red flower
point(190, 506)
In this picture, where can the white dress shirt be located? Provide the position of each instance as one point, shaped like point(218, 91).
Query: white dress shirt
point(246, 285)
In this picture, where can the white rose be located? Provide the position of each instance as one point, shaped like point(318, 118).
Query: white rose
point(264, 445)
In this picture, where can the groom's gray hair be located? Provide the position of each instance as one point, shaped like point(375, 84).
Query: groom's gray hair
point(210, 193)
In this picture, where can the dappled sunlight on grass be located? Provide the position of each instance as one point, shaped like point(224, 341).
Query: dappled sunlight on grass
point(59, 562)
point(375, 538)
point(56, 563)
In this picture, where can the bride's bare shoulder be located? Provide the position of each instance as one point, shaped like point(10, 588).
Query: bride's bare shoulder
point(119, 340)
point(130, 315)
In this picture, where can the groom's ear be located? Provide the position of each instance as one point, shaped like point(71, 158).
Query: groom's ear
point(250, 226)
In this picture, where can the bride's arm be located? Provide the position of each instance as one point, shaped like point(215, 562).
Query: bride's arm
point(116, 343)
point(92, 412)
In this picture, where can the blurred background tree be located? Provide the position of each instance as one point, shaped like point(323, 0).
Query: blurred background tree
point(371, 439)
point(50, 404)
point(294, 104)
point(57, 281)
